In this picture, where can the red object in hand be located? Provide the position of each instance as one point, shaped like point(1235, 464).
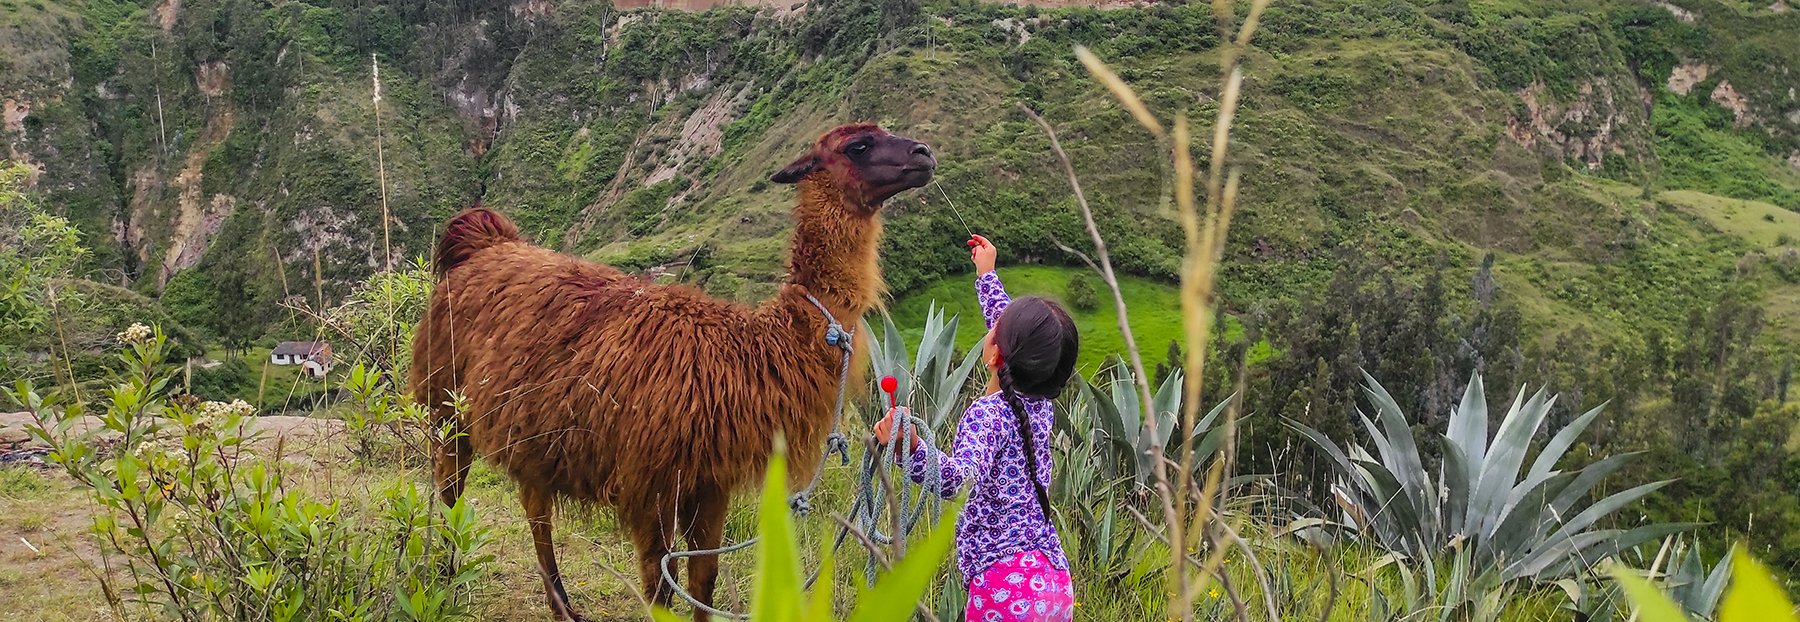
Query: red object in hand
point(891, 386)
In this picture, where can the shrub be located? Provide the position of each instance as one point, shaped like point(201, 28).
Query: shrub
point(199, 527)
point(1083, 295)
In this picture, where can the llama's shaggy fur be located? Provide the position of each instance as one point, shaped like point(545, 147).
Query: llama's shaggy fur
point(590, 385)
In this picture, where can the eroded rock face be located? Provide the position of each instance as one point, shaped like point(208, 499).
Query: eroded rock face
point(1683, 78)
point(1582, 129)
point(1728, 97)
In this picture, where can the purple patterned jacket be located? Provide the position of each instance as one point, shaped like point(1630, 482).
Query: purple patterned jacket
point(1002, 515)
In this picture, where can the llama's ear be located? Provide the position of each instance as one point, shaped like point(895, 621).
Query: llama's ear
point(796, 170)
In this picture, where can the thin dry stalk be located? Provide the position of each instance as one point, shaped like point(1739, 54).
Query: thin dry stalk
point(1205, 241)
point(1120, 90)
point(1141, 380)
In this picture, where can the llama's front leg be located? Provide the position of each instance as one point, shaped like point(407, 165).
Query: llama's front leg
point(705, 529)
point(540, 506)
point(653, 533)
point(450, 466)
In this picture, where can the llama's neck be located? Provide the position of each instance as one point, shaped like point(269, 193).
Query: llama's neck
point(834, 252)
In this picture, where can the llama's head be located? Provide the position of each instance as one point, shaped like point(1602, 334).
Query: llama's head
point(865, 163)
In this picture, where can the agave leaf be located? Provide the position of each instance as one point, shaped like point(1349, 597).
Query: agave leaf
point(1167, 405)
point(1525, 488)
point(1456, 484)
point(1396, 516)
point(1207, 446)
point(1324, 443)
point(1601, 508)
point(956, 379)
point(1586, 549)
point(1585, 480)
point(1121, 430)
point(1501, 469)
point(1707, 600)
point(1406, 464)
point(1469, 427)
point(1560, 444)
point(1525, 525)
point(1212, 416)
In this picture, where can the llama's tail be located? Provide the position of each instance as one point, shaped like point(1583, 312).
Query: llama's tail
point(472, 230)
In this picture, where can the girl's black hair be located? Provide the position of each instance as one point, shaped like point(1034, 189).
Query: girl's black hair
point(1038, 343)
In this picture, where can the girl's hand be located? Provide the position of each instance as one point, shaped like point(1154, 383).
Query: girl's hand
point(884, 429)
point(982, 252)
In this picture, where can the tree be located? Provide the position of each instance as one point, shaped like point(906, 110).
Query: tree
point(35, 249)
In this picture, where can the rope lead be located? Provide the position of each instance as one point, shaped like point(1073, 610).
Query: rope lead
point(867, 508)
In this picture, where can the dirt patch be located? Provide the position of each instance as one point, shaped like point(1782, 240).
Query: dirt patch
point(166, 14)
point(13, 113)
point(277, 431)
point(1728, 97)
point(1683, 78)
point(1680, 13)
point(197, 217)
point(213, 78)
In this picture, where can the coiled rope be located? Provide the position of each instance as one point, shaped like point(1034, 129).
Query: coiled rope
point(866, 510)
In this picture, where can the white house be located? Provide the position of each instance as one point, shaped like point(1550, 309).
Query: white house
point(312, 356)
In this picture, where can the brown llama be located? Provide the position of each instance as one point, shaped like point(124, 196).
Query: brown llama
point(592, 386)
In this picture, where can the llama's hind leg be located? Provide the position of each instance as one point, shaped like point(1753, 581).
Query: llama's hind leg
point(704, 528)
point(540, 506)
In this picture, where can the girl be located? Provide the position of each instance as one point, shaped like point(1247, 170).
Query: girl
point(1006, 545)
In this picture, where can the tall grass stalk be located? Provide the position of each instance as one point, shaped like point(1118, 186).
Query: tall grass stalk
point(387, 241)
point(1189, 508)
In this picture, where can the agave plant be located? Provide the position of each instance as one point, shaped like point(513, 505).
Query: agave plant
point(1107, 420)
point(931, 380)
point(1536, 525)
point(1694, 586)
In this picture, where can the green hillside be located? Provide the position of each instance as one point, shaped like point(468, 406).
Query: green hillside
point(219, 145)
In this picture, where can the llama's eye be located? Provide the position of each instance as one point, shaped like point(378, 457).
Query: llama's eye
point(857, 149)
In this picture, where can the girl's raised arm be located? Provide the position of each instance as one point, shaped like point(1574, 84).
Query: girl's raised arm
point(987, 282)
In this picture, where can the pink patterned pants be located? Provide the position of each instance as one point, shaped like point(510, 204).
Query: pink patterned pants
point(1021, 588)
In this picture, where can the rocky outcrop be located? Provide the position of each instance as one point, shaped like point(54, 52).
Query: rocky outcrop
point(1583, 129)
point(1728, 97)
point(1687, 74)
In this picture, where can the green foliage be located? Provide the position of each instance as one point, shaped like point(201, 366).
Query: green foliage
point(379, 317)
point(1536, 525)
point(931, 382)
point(1084, 295)
point(200, 527)
point(779, 591)
point(229, 379)
point(1700, 149)
point(1755, 595)
point(35, 249)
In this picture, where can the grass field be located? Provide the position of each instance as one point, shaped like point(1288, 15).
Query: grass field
point(1759, 223)
point(1155, 310)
